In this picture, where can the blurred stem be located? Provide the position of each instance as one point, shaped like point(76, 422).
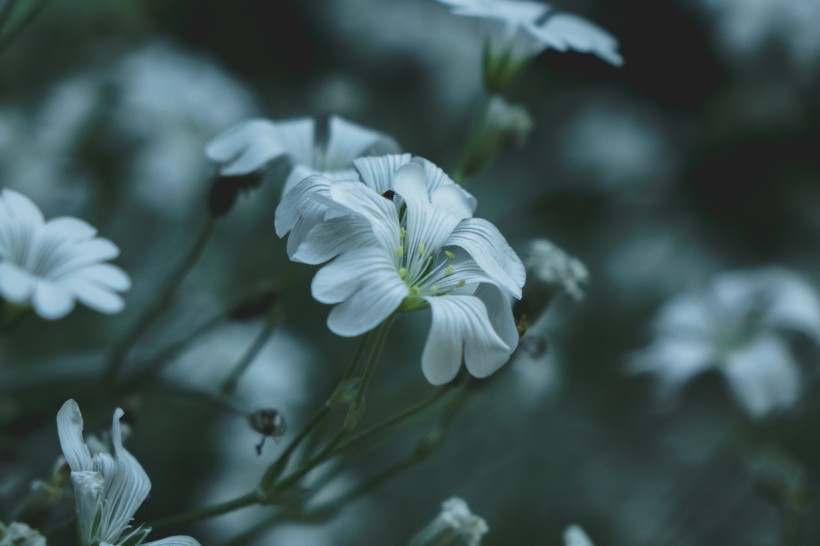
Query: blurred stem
point(230, 382)
point(218, 509)
point(117, 355)
point(351, 420)
point(8, 37)
point(275, 470)
point(468, 163)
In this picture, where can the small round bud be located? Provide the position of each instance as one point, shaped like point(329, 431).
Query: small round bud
point(269, 423)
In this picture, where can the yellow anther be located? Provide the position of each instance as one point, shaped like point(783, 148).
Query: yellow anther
point(415, 290)
point(400, 251)
point(402, 272)
point(421, 248)
point(435, 288)
point(402, 232)
point(448, 270)
point(449, 255)
point(461, 283)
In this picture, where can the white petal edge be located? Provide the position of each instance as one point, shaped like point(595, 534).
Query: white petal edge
point(70, 432)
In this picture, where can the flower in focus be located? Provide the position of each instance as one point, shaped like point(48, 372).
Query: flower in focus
point(575, 536)
point(305, 207)
point(739, 326)
point(51, 264)
point(108, 489)
point(412, 247)
point(20, 534)
point(455, 525)
point(520, 30)
point(250, 145)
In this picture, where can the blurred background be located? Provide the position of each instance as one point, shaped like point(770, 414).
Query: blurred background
point(699, 155)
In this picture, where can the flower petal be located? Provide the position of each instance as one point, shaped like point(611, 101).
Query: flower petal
point(356, 198)
point(460, 325)
point(580, 35)
point(51, 300)
point(293, 203)
point(126, 487)
point(763, 376)
point(378, 172)
point(411, 184)
point(368, 307)
point(106, 275)
point(334, 237)
point(70, 432)
point(245, 147)
point(347, 141)
point(345, 275)
point(435, 178)
point(499, 311)
point(21, 208)
point(490, 250)
point(16, 284)
point(70, 228)
point(96, 296)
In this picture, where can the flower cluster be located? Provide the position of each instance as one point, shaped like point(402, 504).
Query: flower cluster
point(108, 489)
point(738, 325)
point(52, 264)
point(403, 237)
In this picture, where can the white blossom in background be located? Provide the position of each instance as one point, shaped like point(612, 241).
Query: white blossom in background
point(250, 145)
point(520, 29)
point(305, 207)
point(411, 247)
point(164, 107)
point(455, 525)
point(52, 264)
point(108, 488)
point(575, 536)
point(20, 534)
point(739, 326)
point(548, 264)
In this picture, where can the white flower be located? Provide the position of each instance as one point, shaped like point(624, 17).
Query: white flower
point(50, 264)
point(306, 206)
point(575, 536)
point(551, 266)
point(410, 247)
point(738, 327)
point(250, 145)
point(108, 489)
point(20, 534)
point(455, 525)
point(520, 30)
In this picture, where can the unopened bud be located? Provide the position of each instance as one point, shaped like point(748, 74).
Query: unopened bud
point(269, 423)
point(454, 526)
point(20, 534)
point(226, 189)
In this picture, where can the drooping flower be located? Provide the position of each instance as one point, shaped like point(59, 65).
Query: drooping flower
point(251, 145)
point(520, 30)
point(108, 488)
point(307, 205)
point(51, 264)
point(739, 326)
point(575, 536)
point(411, 247)
point(455, 525)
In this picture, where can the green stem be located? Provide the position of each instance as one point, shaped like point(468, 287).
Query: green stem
point(230, 382)
point(117, 355)
point(466, 163)
point(202, 513)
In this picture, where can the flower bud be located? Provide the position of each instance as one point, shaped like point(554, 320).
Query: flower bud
point(454, 526)
point(269, 423)
point(20, 534)
point(225, 190)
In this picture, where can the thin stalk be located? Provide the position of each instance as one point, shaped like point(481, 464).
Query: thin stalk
point(464, 167)
point(202, 513)
point(229, 384)
point(117, 355)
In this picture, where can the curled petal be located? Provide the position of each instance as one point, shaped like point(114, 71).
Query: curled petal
point(461, 327)
point(70, 431)
point(334, 237)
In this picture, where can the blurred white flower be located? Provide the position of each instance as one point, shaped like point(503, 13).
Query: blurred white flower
point(250, 145)
point(520, 30)
point(50, 264)
point(553, 267)
point(391, 250)
point(575, 536)
point(20, 534)
point(738, 327)
point(456, 525)
point(108, 489)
